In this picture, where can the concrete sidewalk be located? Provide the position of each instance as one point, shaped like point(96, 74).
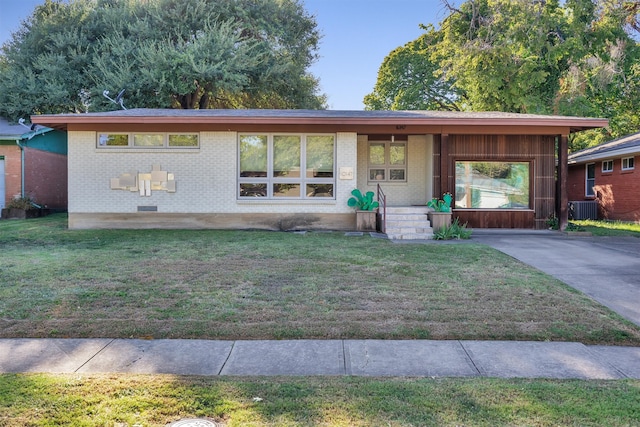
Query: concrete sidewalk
point(380, 358)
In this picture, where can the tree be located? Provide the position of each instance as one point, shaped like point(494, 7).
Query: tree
point(165, 53)
point(503, 53)
point(524, 56)
point(407, 80)
point(603, 76)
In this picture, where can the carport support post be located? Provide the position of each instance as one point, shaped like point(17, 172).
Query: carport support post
point(562, 207)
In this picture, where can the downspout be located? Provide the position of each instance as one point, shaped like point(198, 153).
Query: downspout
point(21, 167)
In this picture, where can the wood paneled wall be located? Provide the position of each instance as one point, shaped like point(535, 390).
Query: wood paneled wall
point(538, 150)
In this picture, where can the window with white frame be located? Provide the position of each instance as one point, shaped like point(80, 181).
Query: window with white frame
point(607, 166)
point(387, 161)
point(628, 163)
point(590, 179)
point(286, 166)
point(148, 140)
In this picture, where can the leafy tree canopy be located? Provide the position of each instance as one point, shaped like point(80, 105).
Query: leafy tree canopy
point(581, 57)
point(165, 53)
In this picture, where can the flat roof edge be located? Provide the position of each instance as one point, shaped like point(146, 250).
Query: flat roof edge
point(575, 123)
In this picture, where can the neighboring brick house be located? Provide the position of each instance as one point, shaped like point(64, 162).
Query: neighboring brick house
point(607, 175)
point(33, 163)
point(295, 169)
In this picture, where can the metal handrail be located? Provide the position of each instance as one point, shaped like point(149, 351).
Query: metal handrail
point(382, 209)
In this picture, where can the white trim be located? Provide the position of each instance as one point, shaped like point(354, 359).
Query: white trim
point(270, 180)
point(387, 166)
point(627, 168)
point(131, 140)
point(606, 161)
point(622, 152)
point(586, 180)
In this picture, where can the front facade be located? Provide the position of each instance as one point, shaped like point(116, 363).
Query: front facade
point(33, 163)
point(606, 176)
point(295, 169)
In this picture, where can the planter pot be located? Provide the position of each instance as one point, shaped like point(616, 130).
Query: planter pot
point(439, 220)
point(366, 220)
point(14, 213)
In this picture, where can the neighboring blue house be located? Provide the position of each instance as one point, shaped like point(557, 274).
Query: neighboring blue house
point(33, 163)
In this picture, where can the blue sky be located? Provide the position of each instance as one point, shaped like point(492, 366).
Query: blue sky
point(357, 35)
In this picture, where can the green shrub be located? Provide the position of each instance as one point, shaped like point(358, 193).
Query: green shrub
point(25, 203)
point(552, 222)
point(453, 231)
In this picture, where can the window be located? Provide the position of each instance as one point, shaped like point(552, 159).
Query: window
point(492, 185)
point(387, 161)
point(590, 181)
point(607, 166)
point(286, 166)
point(628, 163)
point(113, 140)
point(148, 140)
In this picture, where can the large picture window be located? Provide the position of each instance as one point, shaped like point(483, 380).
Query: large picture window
point(387, 161)
point(492, 185)
point(286, 166)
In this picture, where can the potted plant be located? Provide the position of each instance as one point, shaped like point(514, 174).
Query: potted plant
point(22, 208)
point(440, 217)
point(366, 209)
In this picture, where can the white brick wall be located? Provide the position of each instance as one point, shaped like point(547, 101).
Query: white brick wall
point(417, 190)
point(206, 178)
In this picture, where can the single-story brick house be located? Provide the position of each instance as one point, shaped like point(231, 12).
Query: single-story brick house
point(33, 163)
point(295, 169)
point(606, 177)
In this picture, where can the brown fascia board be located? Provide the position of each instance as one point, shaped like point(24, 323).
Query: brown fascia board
point(347, 121)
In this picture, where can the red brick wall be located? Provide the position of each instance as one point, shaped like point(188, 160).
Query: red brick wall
point(12, 171)
point(46, 178)
point(617, 192)
point(576, 182)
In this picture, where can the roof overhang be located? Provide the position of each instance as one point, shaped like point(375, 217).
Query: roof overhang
point(26, 135)
point(400, 122)
point(609, 154)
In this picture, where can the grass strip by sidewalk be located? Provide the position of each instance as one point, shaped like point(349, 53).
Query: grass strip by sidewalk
point(144, 400)
point(213, 284)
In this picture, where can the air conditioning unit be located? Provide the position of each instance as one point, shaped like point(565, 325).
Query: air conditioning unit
point(583, 210)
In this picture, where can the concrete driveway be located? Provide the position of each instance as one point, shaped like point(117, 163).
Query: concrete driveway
point(605, 268)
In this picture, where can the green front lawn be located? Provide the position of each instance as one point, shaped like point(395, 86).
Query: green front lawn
point(254, 284)
point(147, 400)
point(272, 285)
point(609, 228)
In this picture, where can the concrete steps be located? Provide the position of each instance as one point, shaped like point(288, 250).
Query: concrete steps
point(408, 223)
